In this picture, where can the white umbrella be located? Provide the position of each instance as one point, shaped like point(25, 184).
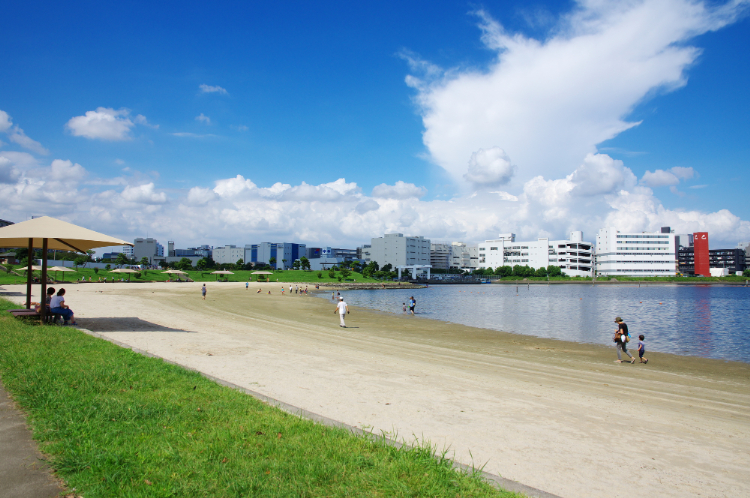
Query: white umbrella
point(261, 272)
point(59, 268)
point(222, 272)
point(125, 270)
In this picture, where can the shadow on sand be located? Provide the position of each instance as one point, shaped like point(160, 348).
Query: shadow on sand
point(124, 324)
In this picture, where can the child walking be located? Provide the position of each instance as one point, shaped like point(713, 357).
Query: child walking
point(642, 348)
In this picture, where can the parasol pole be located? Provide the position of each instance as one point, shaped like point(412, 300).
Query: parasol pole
point(43, 301)
point(28, 274)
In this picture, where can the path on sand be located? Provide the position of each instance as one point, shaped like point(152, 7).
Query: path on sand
point(558, 416)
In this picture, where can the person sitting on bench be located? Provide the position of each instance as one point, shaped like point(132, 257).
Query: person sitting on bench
point(58, 307)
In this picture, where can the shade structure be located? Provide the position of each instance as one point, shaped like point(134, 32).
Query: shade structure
point(59, 268)
point(50, 233)
point(174, 271)
point(124, 270)
point(222, 272)
point(261, 272)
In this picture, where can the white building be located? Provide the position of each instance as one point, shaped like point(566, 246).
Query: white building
point(637, 254)
point(397, 250)
point(464, 257)
point(574, 256)
point(128, 251)
point(228, 254)
point(440, 256)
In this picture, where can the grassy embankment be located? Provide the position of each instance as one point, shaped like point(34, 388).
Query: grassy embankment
point(115, 423)
point(310, 277)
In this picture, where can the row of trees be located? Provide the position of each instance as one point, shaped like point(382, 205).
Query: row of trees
point(521, 271)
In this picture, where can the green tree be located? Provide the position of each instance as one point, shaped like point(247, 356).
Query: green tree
point(332, 273)
point(185, 264)
point(108, 267)
point(541, 272)
point(296, 265)
point(202, 264)
point(304, 263)
point(320, 274)
point(746, 273)
point(504, 271)
point(272, 262)
point(122, 259)
point(345, 272)
point(388, 267)
point(96, 270)
point(554, 271)
point(80, 261)
point(145, 261)
point(163, 263)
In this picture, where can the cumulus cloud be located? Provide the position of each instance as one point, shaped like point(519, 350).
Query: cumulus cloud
point(549, 102)
point(8, 174)
point(143, 194)
point(212, 89)
point(490, 167)
point(203, 119)
point(18, 136)
point(399, 190)
point(105, 124)
point(666, 178)
point(600, 174)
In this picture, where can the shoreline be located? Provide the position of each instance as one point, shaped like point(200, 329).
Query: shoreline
point(537, 411)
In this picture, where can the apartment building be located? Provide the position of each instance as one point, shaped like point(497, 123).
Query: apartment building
point(397, 250)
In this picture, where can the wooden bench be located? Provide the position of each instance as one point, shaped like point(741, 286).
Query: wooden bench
point(25, 313)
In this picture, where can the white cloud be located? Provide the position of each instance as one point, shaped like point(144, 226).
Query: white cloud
point(239, 127)
point(400, 190)
point(212, 89)
point(489, 167)
point(143, 194)
point(18, 136)
point(104, 124)
point(549, 103)
point(666, 178)
point(5, 121)
point(203, 119)
point(66, 171)
point(187, 134)
point(8, 174)
point(600, 174)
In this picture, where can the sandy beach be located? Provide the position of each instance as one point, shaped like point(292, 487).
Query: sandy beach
point(558, 416)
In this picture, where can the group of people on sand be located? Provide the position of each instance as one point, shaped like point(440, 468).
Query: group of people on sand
point(621, 340)
point(55, 303)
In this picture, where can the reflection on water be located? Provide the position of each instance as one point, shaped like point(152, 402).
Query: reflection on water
point(708, 321)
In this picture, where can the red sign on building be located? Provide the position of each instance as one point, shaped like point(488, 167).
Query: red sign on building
point(700, 254)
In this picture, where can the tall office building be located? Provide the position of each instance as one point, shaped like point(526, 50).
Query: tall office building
point(144, 248)
point(284, 253)
point(228, 254)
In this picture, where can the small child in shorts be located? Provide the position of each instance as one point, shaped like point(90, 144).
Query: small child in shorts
point(403, 307)
point(642, 348)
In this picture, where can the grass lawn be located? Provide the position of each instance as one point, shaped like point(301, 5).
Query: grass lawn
point(115, 423)
point(310, 277)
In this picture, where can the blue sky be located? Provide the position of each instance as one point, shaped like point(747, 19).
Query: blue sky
point(451, 120)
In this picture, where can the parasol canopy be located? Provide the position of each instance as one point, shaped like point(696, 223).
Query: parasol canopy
point(124, 270)
point(222, 272)
point(174, 271)
point(50, 233)
point(60, 235)
point(261, 272)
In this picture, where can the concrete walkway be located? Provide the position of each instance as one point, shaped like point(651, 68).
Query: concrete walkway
point(22, 472)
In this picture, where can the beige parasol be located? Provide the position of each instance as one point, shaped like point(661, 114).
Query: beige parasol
point(59, 268)
point(50, 233)
point(221, 272)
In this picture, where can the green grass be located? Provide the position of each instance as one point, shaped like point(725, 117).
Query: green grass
point(115, 423)
point(197, 275)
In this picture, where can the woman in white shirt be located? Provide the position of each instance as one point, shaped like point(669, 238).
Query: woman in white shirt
point(58, 307)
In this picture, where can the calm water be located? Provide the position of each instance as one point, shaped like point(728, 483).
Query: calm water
point(708, 321)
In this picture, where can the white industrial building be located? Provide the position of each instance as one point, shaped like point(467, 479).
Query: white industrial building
point(397, 250)
point(637, 254)
point(147, 248)
point(228, 254)
point(444, 256)
point(574, 256)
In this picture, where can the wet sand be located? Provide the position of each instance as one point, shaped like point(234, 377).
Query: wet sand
point(555, 415)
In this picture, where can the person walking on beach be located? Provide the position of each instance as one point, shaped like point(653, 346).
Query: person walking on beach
point(412, 304)
point(642, 348)
point(247, 285)
point(343, 309)
point(621, 340)
point(203, 291)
